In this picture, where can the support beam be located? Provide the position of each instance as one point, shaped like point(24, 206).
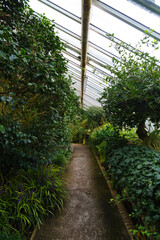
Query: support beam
point(86, 9)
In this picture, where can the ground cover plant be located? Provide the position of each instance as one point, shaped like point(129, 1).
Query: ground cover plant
point(135, 172)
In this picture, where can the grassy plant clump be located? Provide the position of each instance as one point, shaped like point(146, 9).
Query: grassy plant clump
point(29, 196)
point(10, 235)
point(136, 169)
point(153, 140)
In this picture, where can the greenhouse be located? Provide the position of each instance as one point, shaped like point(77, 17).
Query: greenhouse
point(79, 120)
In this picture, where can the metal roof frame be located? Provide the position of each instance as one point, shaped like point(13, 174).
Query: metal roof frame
point(86, 58)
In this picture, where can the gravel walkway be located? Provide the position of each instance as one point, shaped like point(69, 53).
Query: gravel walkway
point(87, 214)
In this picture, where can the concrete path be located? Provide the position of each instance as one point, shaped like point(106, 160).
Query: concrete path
point(87, 214)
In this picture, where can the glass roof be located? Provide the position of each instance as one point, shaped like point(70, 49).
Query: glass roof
point(69, 5)
point(126, 19)
point(140, 14)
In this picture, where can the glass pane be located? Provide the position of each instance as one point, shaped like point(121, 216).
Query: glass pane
point(70, 65)
point(73, 52)
point(102, 41)
point(92, 92)
point(104, 72)
point(67, 38)
point(137, 12)
point(92, 87)
point(73, 73)
point(95, 86)
point(90, 100)
point(100, 56)
point(77, 85)
point(73, 6)
point(71, 58)
point(112, 25)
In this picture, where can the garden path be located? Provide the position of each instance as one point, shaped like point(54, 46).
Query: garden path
point(87, 214)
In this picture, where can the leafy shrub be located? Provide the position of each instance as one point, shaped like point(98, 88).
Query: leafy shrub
point(37, 100)
point(29, 196)
point(131, 135)
point(95, 117)
point(98, 135)
point(107, 139)
point(137, 170)
point(61, 156)
point(132, 94)
point(88, 120)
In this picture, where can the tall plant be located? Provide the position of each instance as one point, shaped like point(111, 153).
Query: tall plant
point(133, 93)
point(36, 98)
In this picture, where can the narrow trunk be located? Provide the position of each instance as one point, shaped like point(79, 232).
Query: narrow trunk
point(1, 177)
point(141, 132)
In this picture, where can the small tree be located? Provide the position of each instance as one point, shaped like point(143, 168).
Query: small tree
point(133, 94)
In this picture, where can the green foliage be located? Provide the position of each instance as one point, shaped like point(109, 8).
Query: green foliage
point(135, 173)
point(153, 140)
point(95, 117)
point(61, 156)
point(36, 99)
point(131, 135)
point(132, 94)
point(37, 103)
point(10, 236)
point(85, 122)
point(107, 140)
point(98, 134)
point(29, 196)
point(136, 169)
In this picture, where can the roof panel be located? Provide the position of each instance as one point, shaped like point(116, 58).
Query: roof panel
point(112, 25)
point(73, 6)
point(102, 41)
point(99, 55)
point(68, 38)
point(137, 12)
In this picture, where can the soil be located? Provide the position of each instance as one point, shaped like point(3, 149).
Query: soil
point(87, 214)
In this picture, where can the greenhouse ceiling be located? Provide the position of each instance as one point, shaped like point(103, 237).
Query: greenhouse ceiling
point(87, 26)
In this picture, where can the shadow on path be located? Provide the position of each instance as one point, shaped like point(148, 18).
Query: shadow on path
point(87, 214)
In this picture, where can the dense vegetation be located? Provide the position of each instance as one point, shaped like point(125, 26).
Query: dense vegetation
point(130, 154)
point(135, 173)
point(131, 98)
point(84, 122)
point(36, 105)
point(134, 88)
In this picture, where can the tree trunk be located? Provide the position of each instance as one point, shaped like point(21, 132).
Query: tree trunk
point(141, 132)
point(1, 177)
